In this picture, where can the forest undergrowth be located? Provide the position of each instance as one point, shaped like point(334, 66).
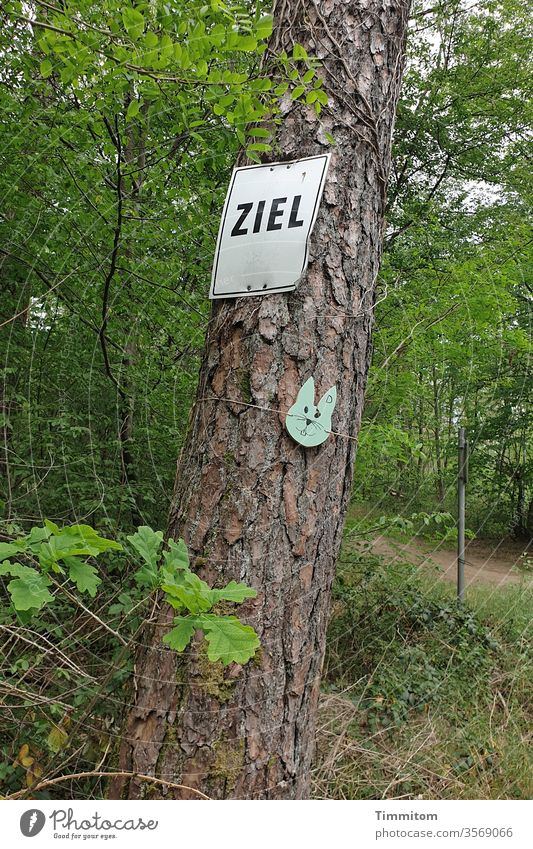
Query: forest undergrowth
point(435, 703)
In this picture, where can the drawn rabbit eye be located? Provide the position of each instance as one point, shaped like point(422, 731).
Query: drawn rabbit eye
point(317, 414)
point(306, 409)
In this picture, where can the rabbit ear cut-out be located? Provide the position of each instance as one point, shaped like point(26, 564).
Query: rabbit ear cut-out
point(326, 405)
point(306, 395)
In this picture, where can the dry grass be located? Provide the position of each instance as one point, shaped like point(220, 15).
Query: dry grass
point(418, 760)
point(472, 738)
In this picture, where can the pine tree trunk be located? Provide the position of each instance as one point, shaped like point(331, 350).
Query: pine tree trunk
point(252, 504)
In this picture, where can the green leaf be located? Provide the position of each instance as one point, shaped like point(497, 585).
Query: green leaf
point(134, 22)
point(297, 92)
point(148, 544)
point(36, 537)
point(228, 639)
point(83, 575)
point(29, 594)
point(180, 636)
point(192, 593)
point(16, 569)
point(177, 555)
point(46, 68)
point(146, 576)
point(29, 589)
point(173, 600)
point(299, 52)
point(264, 26)
point(91, 538)
point(151, 40)
point(7, 549)
point(261, 84)
point(260, 146)
point(246, 43)
point(235, 592)
point(133, 110)
point(217, 34)
point(57, 739)
point(259, 132)
point(71, 541)
point(175, 563)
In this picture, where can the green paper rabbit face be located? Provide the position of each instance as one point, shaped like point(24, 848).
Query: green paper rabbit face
point(308, 424)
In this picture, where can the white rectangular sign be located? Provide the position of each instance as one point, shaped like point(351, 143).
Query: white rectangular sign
point(267, 219)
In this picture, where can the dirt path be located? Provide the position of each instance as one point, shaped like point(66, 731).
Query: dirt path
point(487, 562)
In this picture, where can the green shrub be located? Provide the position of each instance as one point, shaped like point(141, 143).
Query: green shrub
point(423, 697)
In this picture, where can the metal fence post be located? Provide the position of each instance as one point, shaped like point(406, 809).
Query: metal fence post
point(462, 474)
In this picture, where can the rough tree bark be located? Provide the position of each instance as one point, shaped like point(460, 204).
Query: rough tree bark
point(251, 503)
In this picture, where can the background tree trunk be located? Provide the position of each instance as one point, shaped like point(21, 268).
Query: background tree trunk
point(251, 504)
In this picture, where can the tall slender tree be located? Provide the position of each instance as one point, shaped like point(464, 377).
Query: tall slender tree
point(251, 503)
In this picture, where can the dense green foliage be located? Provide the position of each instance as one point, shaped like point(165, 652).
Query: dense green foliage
point(453, 337)
point(57, 643)
point(119, 123)
point(50, 556)
point(119, 126)
point(434, 700)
